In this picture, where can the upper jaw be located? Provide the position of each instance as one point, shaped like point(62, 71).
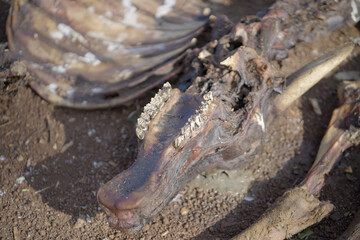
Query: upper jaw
point(163, 162)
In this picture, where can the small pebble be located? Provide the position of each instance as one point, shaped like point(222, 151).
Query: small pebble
point(146, 227)
point(97, 164)
point(91, 132)
point(315, 105)
point(66, 146)
point(71, 120)
point(348, 169)
point(20, 180)
point(184, 211)
point(20, 158)
point(42, 232)
point(88, 218)
point(79, 223)
point(248, 199)
point(112, 163)
point(336, 216)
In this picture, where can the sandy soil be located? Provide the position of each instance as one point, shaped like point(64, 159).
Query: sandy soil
point(52, 161)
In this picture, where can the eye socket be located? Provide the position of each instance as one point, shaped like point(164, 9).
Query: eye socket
point(234, 44)
point(241, 97)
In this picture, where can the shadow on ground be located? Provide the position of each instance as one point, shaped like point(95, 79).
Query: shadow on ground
point(98, 145)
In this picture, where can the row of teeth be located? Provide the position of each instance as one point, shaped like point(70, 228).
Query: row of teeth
point(151, 109)
point(191, 127)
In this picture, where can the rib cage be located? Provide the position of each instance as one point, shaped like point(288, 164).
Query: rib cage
point(91, 54)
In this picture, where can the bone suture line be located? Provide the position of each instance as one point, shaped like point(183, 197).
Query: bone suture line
point(309, 75)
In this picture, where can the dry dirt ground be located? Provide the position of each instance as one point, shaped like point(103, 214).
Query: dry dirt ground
point(52, 161)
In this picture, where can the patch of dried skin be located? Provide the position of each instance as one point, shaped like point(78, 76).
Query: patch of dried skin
point(150, 137)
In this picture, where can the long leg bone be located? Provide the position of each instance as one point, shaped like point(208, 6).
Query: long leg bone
point(343, 132)
point(298, 208)
point(308, 76)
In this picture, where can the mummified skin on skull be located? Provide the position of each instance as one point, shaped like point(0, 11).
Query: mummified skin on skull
point(217, 116)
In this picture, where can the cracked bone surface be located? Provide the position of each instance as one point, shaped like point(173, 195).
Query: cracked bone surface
point(242, 83)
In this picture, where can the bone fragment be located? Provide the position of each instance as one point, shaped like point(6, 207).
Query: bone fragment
point(315, 105)
point(308, 76)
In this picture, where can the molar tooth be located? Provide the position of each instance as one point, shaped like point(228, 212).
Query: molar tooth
point(166, 90)
point(167, 85)
point(158, 98)
point(192, 126)
point(176, 142)
point(179, 141)
point(190, 119)
point(208, 97)
point(151, 110)
point(163, 94)
point(146, 108)
point(211, 97)
point(145, 116)
point(195, 121)
point(158, 103)
point(204, 107)
point(198, 120)
point(184, 128)
point(140, 133)
point(142, 123)
point(153, 101)
point(187, 132)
